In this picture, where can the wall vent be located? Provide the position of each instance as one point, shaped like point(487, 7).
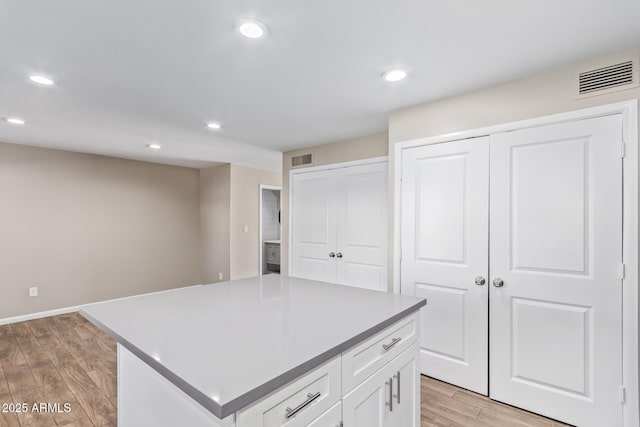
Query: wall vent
point(301, 160)
point(615, 77)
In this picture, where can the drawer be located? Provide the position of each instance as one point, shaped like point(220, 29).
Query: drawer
point(364, 359)
point(331, 418)
point(297, 403)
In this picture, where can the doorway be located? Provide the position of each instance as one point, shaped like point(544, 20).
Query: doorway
point(270, 229)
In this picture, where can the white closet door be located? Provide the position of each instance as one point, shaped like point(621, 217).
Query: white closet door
point(313, 226)
point(361, 220)
point(444, 249)
point(556, 241)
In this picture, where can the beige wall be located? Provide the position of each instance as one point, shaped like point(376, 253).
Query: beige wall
point(245, 207)
point(229, 200)
point(543, 94)
point(86, 228)
point(215, 215)
point(365, 147)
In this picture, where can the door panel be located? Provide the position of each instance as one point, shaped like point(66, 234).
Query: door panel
point(556, 239)
point(361, 226)
point(365, 406)
point(313, 226)
point(406, 389)
point(444, 248)
point(550, 206)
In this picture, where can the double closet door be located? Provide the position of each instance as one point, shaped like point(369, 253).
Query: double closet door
point(339, 225)
point(515, 239)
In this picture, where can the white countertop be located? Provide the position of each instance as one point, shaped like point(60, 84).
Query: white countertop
point(273, 242)
point(229, 344)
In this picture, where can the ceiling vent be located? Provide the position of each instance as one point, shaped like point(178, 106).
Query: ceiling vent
point(620, 76)
point(301, 160)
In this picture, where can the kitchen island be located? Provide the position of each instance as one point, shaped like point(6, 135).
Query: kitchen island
point(267, 351)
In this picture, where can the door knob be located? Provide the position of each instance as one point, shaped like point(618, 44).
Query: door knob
point(480, 281)
point(498, 283)
point(331, 254)
point(339, 254)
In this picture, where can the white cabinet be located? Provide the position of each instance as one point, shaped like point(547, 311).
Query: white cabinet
point(366, 405)
point(339, 225)
point(390, 397)
point(405, 375)
point(272, 253)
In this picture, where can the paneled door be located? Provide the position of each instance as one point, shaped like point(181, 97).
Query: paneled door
point(339, 225)
point(556, 250)
point(361, 226)
point(445, 208)
point(313, 226)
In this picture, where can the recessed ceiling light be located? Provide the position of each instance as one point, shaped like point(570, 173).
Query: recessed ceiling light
point(40, 79)
point(155, 146)
point(14, 121)
point(252, 28)
point(394, 75)
point(213, 125)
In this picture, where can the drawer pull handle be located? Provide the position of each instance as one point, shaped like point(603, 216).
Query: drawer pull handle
point(310, 399)
point(392, 344)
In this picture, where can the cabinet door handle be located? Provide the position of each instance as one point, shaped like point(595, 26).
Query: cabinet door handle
point(390, 402)
point(339, 254)
point(397, 377)
point(332, 254)
point(310, 399)
point(392, 344)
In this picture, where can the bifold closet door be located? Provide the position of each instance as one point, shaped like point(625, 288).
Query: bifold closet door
point(444, 234)
point(556, 250)
point(313, 225)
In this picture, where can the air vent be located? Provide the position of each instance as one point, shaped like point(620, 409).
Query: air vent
point(301, 160)
point(604, 78)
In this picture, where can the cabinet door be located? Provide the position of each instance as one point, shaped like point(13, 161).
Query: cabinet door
point(366, 405)
point(406, 389)
point(445, 217)
point(361, 226)
point(331, 418)
point(313, 229)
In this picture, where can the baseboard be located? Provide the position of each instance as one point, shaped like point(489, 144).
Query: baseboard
point(38, 315)
point(57, 311)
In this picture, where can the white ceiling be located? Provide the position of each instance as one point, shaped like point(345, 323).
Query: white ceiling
point(134, 72)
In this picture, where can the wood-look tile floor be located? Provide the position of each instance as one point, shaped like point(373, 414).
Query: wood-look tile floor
point(65, 359)
point(445, 405)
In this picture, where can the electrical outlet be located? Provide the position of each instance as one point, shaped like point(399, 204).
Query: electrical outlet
point(33, 292)
point(245, 228)
point(220, 276)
